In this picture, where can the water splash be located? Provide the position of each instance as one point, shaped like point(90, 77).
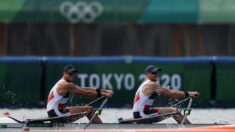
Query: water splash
point(11, 96)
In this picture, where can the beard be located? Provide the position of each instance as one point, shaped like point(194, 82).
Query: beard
point(154, 79)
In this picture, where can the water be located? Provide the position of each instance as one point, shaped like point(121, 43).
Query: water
point(109, 115)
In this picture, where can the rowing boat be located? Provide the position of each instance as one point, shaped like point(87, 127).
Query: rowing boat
point(126, 125)
point(97, 112)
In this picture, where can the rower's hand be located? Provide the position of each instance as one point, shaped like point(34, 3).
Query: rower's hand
point(193, 94)
point(108, 93)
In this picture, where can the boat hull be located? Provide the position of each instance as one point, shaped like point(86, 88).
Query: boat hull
point(128, 128)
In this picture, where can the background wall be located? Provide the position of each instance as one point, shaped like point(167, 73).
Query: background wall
point(26, 81)
point(119, 39)
point(117, 27)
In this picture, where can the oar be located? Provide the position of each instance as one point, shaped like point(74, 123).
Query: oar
point(175, 105)
point(97, 112)
point(98, 99)
point(187, 111)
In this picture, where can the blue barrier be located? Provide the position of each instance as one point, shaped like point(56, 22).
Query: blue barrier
point(20, 59)
point(84, 60)
point(127, 59)
point(169, 60)
point(116, 59)
point(223, 59)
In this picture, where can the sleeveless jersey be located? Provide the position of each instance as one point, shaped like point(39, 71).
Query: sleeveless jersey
point(142, 102)
point(55, 101)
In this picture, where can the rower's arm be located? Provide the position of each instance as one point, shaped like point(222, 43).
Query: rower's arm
point(81, 91)
point(170, 93)
point(103, 92)
point(87, 91)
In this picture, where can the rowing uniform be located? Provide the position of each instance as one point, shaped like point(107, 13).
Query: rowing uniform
point(143, 104)
point(56, 103)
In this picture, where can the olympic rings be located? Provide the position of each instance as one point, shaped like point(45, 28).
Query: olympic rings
point(81, 11)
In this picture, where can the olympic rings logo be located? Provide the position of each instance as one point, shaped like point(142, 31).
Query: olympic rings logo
point(81, 11)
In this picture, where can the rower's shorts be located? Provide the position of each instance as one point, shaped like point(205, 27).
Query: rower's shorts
point(145, 114)
point(59, 113)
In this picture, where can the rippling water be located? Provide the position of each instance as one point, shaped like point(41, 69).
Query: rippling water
point(109, 115)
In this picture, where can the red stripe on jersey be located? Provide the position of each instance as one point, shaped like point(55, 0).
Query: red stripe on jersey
point(61, 105)
point(147, 107)
point(51, 96)
point(137, 97)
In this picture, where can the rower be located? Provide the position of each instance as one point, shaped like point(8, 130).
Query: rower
point(144, 97)
point(59, 95)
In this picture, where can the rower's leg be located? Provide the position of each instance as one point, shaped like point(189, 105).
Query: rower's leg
point(78, 109)
point(177, 117)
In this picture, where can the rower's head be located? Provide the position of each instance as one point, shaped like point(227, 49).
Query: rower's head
point(152, 72)
point(70, 72)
